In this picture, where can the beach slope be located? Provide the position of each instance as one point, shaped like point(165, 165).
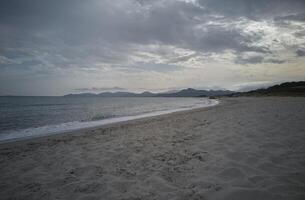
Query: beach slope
point(244, 148)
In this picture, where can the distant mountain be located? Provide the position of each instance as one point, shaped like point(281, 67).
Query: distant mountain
point(284, 89)
point(116, 94)
point(190, 92)
point(81, 95)
point(182, 93)
point(146, 94)
point(112, 94)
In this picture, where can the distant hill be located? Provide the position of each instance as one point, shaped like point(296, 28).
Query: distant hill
point(81, 95)
point(190, 92)
point(112, 94)
point(284, 89)
point(182, 93)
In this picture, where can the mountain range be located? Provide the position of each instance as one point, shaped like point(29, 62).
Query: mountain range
point(190, 92)
point(283, 89)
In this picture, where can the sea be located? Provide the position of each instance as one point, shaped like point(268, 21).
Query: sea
point(24, 117)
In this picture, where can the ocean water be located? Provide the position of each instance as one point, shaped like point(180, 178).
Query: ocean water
point(23, 117)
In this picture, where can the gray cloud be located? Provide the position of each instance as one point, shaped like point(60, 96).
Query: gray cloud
point(45, 23)
point(183, 58)
point(300, 52)
point(217, 38)
point(253, 9)
point(275, 61)
point(100, 89)
point(65, 38)
point(296, 17)
point(250, 60)
point(300, 34)
point(257, 59)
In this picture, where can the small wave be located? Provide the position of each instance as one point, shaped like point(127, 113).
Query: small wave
point(31, 105)
point(76, 125)
point(51, 104)
point(102, 117)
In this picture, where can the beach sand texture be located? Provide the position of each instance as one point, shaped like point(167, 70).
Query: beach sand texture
point(242, 149)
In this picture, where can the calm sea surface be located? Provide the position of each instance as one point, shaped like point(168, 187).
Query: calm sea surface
point(34, 116)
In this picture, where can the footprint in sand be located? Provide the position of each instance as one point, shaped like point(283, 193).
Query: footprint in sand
point(201, 156)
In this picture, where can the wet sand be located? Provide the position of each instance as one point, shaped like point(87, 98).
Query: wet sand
point(244, 148)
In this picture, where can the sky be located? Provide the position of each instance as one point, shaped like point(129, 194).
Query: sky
point(55, 47)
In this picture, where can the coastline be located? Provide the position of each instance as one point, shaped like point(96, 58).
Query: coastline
point(71, 127)
point(243, 148)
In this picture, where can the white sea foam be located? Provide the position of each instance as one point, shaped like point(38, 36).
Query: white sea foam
point(76, 125)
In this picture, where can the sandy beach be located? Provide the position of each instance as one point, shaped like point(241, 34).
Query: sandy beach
point(241, 149)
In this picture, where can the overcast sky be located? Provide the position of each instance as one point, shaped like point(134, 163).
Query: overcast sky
point(54, 47)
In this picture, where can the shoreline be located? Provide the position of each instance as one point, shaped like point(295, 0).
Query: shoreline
point(56, 129)
point(244, 148)
point(109, 123)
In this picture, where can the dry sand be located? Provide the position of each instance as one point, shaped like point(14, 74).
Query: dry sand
point(242, 149)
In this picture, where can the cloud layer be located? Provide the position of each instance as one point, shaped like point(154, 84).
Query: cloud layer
point(54, 47)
